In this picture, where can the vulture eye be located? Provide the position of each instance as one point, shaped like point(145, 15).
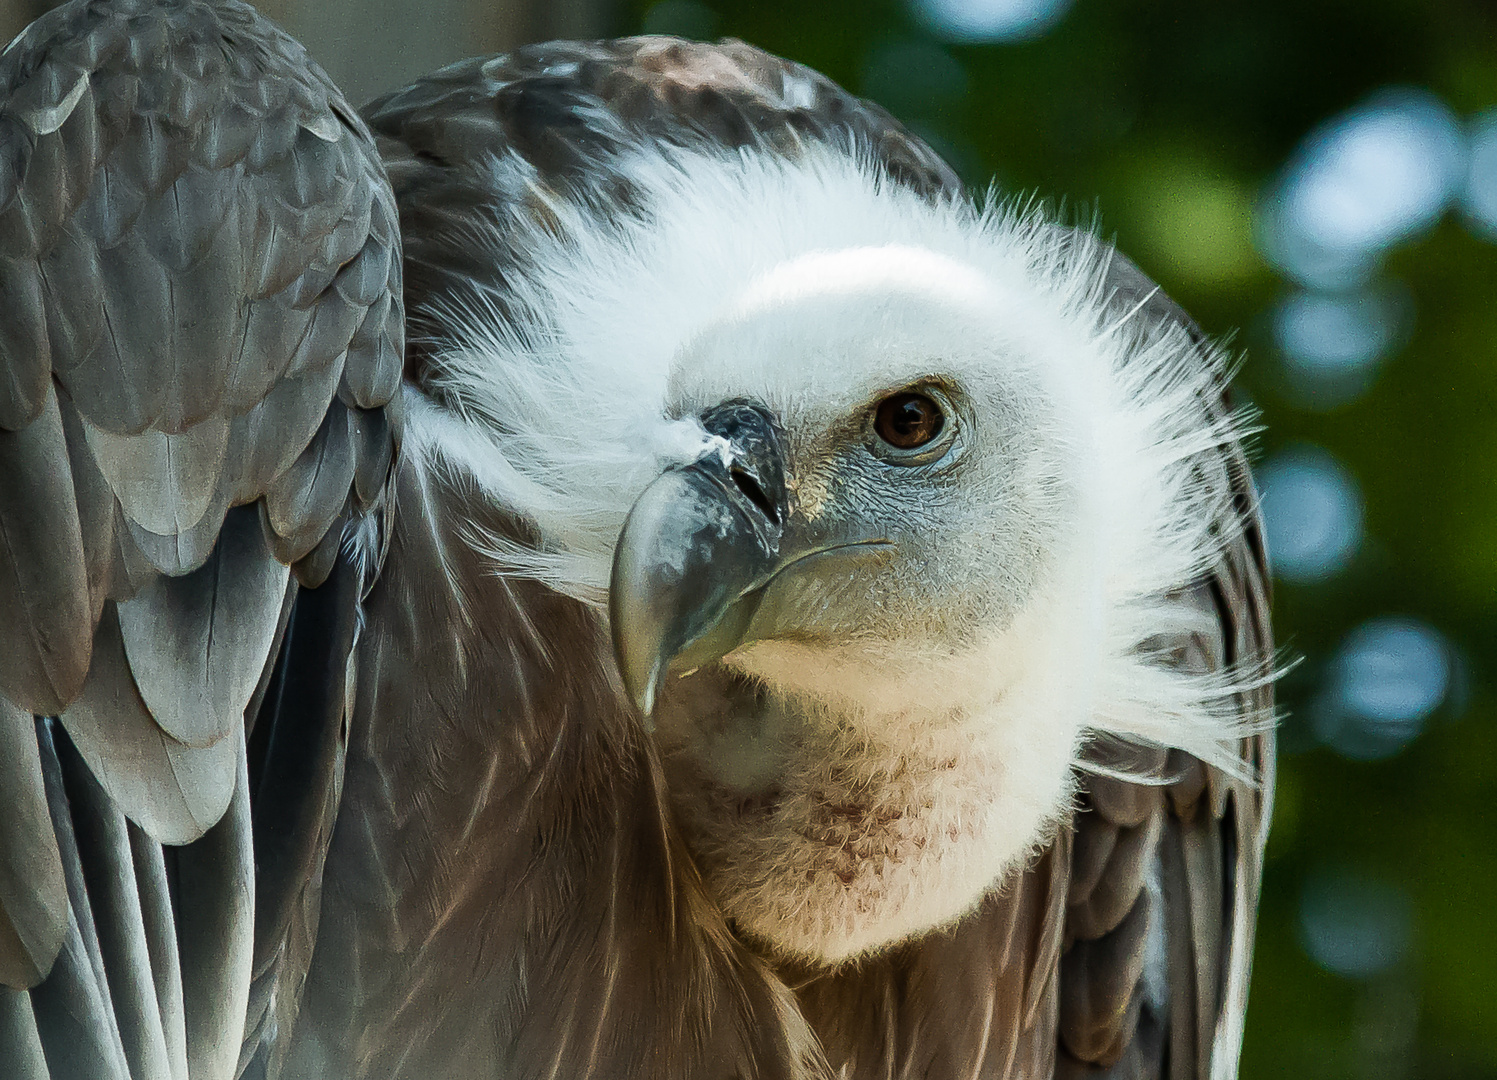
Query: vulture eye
point(908, 420)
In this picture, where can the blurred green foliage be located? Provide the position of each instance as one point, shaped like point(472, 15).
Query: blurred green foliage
point(1168, 120)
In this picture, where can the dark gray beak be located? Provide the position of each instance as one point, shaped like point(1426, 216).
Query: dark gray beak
point(696, 552)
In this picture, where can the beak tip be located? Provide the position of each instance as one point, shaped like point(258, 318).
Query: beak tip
point(643, 696)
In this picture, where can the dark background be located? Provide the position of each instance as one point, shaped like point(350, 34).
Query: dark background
point(1319, 179)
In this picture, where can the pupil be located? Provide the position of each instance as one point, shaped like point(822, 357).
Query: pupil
point(912, 417)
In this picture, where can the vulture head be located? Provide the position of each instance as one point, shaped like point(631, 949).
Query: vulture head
point(888, 501)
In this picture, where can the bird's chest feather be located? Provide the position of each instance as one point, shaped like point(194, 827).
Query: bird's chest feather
point(828, 836)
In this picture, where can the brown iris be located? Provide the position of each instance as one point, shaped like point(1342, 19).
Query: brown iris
point(908, 421)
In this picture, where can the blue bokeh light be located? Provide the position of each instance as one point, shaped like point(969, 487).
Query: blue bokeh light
point(1388, 677)
point(990, 20)
point(1480, 196)
point(1353, 924)
point(1333, 343)
point(1312, 512)
point(1360, 183)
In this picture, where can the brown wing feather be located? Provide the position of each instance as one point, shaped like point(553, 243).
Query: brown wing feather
point(978, 1000)
point(198, 253)
point(505, 890)
point(1191, 845)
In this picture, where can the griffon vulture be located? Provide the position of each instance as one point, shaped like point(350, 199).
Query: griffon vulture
point(611, 564)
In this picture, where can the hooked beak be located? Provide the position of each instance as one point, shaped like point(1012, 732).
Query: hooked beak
point(698, 551)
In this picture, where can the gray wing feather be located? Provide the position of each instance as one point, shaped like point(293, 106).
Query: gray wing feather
point(164, 482)
point(33, 892)
point(303, 501)
point(75, 1015)
point(376, 449)
point(72, 270)
point(43, 577)
point(106, 858)
point(273, 434)
point(273, 329)
point(75, 1018)
point(197, 683)
point(106, 564)
point(312, 569)
point(20, 1042)
point(161, 942)
point(198, 254)
point(176, 552)
point(373, 371)
point(216, 936)
point(173, 791)
point(23, 335)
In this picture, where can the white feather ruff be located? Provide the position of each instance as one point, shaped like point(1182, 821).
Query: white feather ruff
point(556, 402)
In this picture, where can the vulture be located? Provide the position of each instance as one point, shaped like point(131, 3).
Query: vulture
point(607, 563)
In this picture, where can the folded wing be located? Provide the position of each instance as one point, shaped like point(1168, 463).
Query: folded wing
point(200, 356)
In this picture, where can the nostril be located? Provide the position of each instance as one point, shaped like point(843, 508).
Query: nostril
point(754, 493)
